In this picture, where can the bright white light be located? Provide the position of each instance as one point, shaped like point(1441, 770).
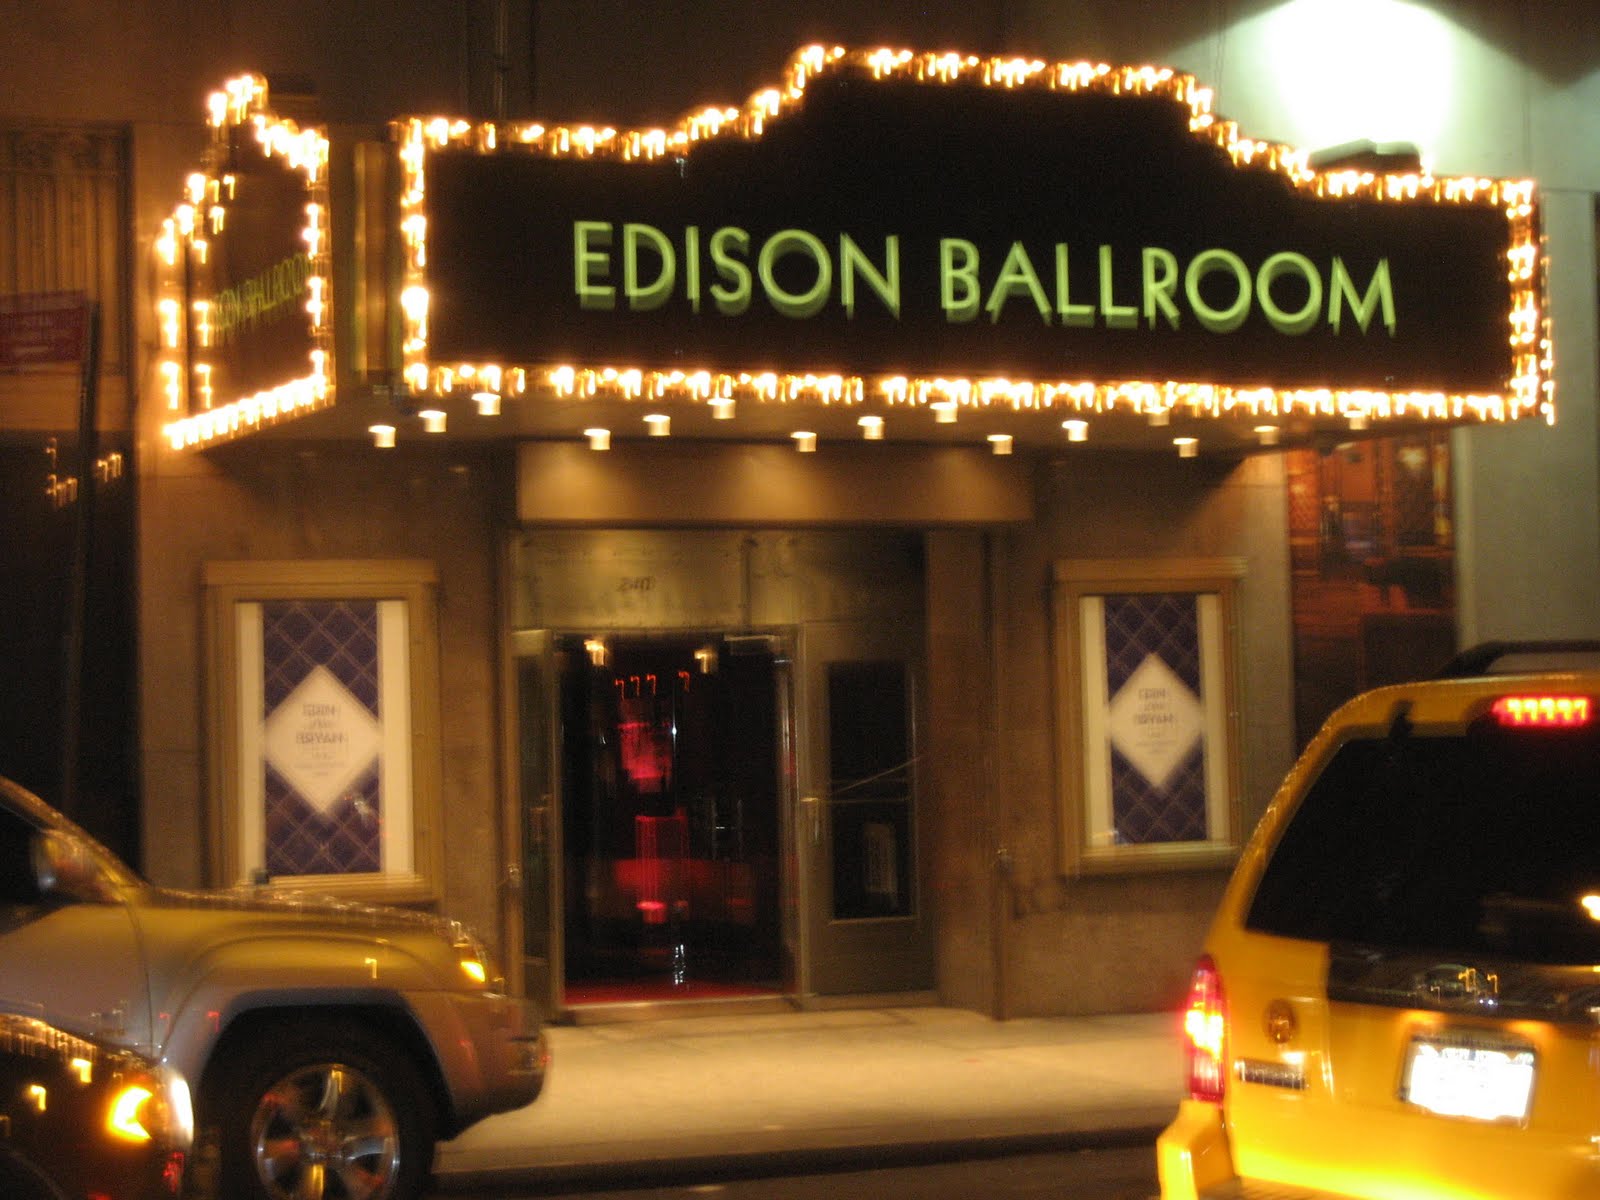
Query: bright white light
point(1348, 70)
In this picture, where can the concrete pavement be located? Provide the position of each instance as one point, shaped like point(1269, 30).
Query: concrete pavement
point(785, 1092)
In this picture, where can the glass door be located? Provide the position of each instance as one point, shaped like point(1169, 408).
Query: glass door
point(867, 922)
point(670, 751)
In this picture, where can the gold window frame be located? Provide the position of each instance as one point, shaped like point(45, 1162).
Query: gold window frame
point(1083, 721)
point(406, 749)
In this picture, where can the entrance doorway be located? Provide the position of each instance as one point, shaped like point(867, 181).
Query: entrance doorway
point(671, 791)
point(711, 743)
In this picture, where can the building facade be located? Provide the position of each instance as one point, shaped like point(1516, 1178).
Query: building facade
point(708, 717)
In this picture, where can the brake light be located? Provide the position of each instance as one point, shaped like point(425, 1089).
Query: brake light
point(1205, 1034)
point(1547, 712)
point(134, 1109)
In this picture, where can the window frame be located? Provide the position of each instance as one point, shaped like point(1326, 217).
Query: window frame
point(412, 584)
point(1082, 737)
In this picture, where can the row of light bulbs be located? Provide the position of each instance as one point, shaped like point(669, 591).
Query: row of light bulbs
point(659, 425)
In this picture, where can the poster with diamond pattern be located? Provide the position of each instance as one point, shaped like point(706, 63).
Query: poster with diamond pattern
point(329, 732)
point(1152, 695)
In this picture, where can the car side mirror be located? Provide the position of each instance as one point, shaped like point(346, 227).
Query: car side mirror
point(64, 867)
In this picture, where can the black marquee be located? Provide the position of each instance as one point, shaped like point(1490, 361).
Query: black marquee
point(909, 228)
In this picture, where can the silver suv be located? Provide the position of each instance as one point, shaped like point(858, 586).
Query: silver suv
point(330, 1043)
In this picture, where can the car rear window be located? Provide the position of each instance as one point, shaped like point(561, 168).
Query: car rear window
point(1486, 842)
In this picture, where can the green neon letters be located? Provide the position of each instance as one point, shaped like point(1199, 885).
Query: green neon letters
point(1078, 287)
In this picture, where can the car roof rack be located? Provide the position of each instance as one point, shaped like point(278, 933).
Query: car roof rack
point(1515, 657)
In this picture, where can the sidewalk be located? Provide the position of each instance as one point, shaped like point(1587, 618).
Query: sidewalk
point(799, 1090)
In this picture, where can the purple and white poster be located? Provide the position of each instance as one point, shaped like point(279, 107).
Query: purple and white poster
point(325, 732)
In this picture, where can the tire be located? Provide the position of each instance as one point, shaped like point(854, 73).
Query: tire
point(21, 1180)
point(319, 1110)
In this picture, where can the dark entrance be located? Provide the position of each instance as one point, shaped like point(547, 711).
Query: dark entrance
point(670, 761)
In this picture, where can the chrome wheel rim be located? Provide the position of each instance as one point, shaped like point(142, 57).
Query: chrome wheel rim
point(325, 1132)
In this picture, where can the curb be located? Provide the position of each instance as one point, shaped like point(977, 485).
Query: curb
point(557, 1177)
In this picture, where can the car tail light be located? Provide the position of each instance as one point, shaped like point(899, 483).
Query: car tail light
point(1205, 1033)
point(1546, 712)
point(136, 1113)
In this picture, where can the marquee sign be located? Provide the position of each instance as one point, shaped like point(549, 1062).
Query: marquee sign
point(244, 283)
point(895, 228)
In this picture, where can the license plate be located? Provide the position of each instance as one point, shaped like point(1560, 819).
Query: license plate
point(1479, 1079)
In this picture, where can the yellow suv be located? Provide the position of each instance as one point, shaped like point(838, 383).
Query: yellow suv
point(1399, 997)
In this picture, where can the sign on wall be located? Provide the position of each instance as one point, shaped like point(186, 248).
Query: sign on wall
point(42, 328)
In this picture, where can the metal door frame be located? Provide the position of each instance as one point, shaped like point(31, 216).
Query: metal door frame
point(814, 815)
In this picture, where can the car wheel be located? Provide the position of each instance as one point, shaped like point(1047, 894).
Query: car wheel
point(322, 1110)
point(21, 1180)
